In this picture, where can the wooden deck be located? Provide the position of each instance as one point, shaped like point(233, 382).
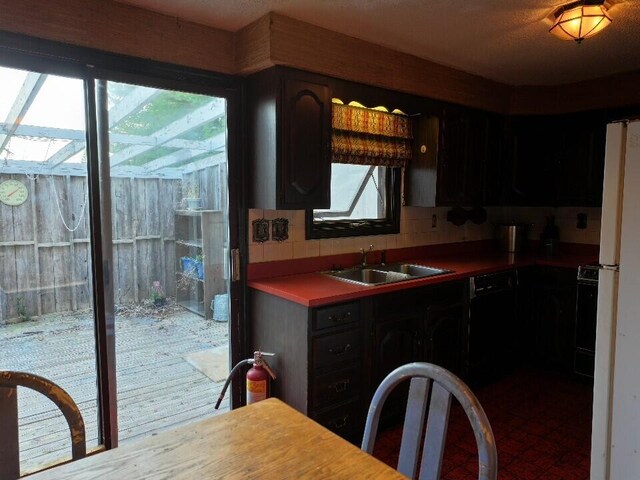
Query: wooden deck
point(157, 387)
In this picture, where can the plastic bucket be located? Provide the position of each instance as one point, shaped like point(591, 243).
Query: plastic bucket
point(220, 307)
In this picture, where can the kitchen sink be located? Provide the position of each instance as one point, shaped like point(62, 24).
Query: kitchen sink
point(382, 274)
point(415, 270)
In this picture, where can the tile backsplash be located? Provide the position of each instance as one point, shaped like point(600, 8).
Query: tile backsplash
point(416, 230)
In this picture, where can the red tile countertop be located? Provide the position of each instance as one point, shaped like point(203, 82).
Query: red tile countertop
point(316, 289)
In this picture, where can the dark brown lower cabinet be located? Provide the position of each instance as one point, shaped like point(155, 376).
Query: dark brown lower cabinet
point(446, 336)
point(329, 360)
point(425, 324)
point(320, 358)
point(397, 341)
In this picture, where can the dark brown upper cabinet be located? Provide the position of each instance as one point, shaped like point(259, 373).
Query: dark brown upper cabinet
point(532, 148)
point(555, 160)
point(579, 170)
point(289, 116)
point(451, 158)
point(462, 153)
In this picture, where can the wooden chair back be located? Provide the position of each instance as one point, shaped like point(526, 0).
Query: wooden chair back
point(431, 389)
point(9, 439)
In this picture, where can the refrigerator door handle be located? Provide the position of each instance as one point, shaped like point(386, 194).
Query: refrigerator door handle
point(614, 268)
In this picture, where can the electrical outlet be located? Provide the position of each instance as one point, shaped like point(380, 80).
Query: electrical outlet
point(434, 221)
point(581, 221)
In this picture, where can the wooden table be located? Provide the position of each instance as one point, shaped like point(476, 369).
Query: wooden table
point(267, 440)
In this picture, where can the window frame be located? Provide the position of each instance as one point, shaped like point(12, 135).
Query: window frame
point(355, 227)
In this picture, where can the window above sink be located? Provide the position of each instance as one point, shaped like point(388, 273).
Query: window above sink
point(369, 148)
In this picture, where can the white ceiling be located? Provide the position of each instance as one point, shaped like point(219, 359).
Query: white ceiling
point(504, 40)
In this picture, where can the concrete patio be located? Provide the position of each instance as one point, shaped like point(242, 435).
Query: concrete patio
point(161, 375)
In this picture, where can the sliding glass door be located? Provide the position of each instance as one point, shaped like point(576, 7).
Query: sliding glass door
point(46, 289)
point(167, 159)
point(117, 223)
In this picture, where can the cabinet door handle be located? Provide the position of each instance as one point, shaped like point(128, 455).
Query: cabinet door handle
point(339, 423)
point(340, 350)
point(339, 386)
point(340, 318)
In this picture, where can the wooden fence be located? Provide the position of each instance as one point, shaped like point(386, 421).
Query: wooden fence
point(45, 267)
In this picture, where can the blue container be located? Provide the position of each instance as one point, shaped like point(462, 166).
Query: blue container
point(189, 266)
point(220, 307)
point(199, 269)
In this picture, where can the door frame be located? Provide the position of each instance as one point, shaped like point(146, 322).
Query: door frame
point(89, 65)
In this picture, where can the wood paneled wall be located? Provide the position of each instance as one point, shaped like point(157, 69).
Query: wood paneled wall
point(119, 28)
point(301, 45)
point(278, 40)
point(614, 91)
point(253, 47)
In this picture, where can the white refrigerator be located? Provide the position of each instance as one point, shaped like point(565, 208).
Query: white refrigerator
point(615, 449)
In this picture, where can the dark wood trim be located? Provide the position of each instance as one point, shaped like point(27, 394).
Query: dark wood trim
point(100, 227)
point(237, 223)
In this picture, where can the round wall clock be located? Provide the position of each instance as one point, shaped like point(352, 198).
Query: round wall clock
point(13, 193)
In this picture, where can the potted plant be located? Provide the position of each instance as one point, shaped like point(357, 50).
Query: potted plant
point(198, 262)
point(191, 194)
point(156, 294)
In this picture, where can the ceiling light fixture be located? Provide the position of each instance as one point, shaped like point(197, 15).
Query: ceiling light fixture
point(580, 20)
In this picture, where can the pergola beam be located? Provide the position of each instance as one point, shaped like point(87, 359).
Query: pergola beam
point(207, 113)
point(129, 104)
point(52, 133)
point(23, 167)
point(25, 97)
point(211, 161)
point(65, 153)
point(167, 161)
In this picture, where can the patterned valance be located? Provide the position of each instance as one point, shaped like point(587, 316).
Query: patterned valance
point(364, 136)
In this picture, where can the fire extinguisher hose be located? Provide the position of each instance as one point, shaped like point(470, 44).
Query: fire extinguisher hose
point(248, 361)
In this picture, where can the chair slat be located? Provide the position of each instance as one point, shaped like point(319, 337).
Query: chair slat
point(9, 445)
point(443, 386)
point(436, 434)
point(9, 381)
point(413, 427)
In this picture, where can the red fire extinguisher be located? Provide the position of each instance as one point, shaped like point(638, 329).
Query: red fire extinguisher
point(258, 387)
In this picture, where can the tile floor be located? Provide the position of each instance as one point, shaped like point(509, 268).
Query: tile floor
point(542, 425)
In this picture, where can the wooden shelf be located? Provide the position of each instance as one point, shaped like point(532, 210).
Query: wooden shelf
point(201, 232)
point(191, 277)
point(193, 213)
point(190, 243)
point(193, 306)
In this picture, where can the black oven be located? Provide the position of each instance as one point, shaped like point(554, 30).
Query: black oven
point(586, 320)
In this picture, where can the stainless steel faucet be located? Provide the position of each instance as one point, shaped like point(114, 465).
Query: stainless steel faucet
point(363, 252)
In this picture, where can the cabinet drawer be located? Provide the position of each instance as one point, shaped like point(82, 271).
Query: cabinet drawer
point(335, 387)
point(333, 349)
point(345, 420)
point(336, 315)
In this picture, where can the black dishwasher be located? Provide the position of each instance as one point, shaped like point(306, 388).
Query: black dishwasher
point(493, 325)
